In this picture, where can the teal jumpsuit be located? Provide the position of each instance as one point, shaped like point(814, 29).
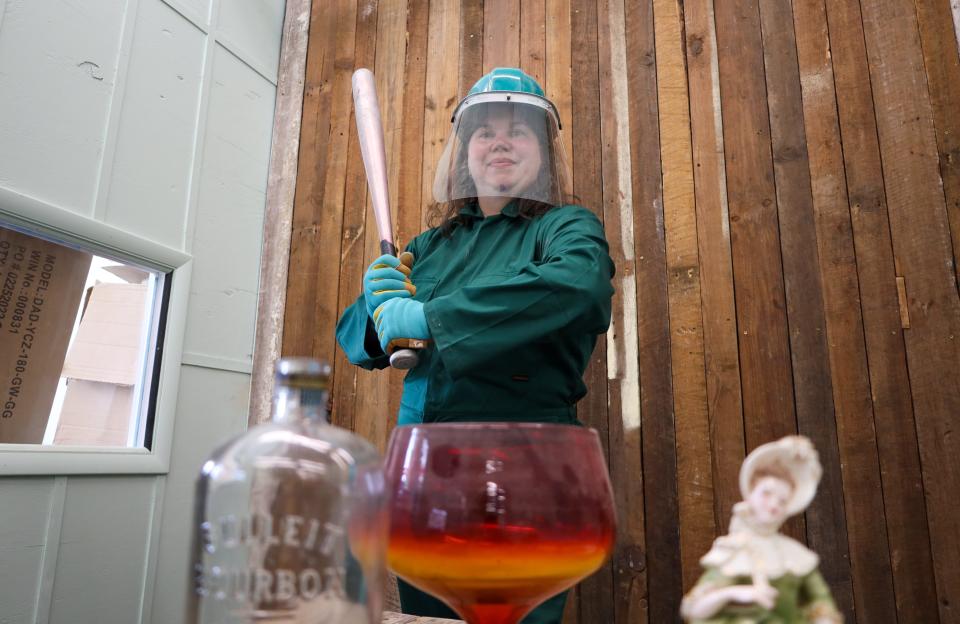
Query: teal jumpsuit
point(514, 307)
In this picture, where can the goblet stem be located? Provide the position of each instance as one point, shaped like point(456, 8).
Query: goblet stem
point(493, 614)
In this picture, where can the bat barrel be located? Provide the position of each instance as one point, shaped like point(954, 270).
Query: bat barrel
point(370, 135)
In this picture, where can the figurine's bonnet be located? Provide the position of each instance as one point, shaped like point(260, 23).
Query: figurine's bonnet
point(757, 551)
point(793, 455)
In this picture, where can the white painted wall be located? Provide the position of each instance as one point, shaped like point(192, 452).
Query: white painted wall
point(153, 116)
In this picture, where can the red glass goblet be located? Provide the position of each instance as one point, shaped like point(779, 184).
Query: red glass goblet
point(495, 518)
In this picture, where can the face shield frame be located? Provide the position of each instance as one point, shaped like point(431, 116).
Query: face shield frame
point(512, 97)
point(453, 180)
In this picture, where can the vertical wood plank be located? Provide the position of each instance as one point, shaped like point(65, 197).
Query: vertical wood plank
point(304, 269)
point(471, 45)
point(694, 463)
point(390, 61)
point(825, 527)
point(278, 220)
point(921, 243)
point(327, 225)
point(348, 379)
point(558, 65)
point(765, 369)
point(595, 599)
point(533, 39)
point(557, 87)
point(623, 378)
point(377, 397)
point(716, 270)
point(656, 392)
point(872, 575)
point(501, 34)
point(890, 385)
point(440, 91)
point(941, 57)
point(410, 148)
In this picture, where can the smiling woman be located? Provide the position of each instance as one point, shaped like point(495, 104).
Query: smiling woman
point(511, 287)
point(504, 144)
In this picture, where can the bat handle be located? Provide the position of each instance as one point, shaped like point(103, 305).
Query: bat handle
point(404, 359)
point(401, 359)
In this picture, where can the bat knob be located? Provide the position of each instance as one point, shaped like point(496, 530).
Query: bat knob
point(404, 359)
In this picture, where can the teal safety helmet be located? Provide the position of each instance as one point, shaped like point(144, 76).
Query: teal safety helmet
point(507, 84)
point(507, 79)
point(505, 142)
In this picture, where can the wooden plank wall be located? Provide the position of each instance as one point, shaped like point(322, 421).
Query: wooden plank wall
point(780, 186)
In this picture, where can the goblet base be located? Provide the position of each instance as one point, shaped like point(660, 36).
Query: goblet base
point(493, 613)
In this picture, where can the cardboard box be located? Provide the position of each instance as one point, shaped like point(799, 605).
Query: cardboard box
point(107, 345)
point(103, 366)
point(41, 284)
point(95, 414)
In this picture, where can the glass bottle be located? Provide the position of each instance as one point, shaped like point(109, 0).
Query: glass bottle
point(290, 519)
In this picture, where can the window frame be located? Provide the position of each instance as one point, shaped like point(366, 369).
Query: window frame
point(99, 237)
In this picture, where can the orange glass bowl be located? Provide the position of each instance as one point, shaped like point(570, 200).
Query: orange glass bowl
point(495, 518)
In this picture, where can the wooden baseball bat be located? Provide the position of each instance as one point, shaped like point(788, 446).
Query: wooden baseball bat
point(370, 133)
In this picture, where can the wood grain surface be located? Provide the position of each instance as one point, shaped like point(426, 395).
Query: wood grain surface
point(623, 384)
point(767, 173)
point(593, 599)
point(721, 361)
point(814, 394)
point(923, 249)
point(906, 515)
point(694, 461)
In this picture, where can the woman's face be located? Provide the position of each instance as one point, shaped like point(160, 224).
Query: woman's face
point(768, 499)
point(503, 155)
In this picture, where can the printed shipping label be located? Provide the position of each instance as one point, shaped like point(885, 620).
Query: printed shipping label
point(41, 285)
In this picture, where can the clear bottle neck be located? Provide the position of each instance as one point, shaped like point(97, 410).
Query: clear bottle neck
point(296, 403)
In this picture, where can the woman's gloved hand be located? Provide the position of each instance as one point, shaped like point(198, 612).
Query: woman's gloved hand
point(386, 278)
point(400, 318)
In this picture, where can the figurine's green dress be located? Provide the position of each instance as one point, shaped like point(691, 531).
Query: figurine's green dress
point(753, 553)
point(800, 600)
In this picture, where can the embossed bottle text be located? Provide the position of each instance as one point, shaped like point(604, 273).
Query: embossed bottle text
point(290, 518)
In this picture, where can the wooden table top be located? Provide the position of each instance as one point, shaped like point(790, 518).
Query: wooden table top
point(398, 618)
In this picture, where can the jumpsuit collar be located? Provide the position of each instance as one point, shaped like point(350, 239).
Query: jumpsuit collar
point(473, 210)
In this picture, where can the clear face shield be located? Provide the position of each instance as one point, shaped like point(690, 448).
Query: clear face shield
point(504, 145)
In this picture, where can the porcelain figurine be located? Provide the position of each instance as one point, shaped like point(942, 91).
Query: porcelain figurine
point(755, 575)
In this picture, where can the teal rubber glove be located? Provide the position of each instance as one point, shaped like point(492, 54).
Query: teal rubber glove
point(386, 278)
point(398, 319)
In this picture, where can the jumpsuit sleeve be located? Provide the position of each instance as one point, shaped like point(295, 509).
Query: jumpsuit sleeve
point(567, 291)
point(357, 335)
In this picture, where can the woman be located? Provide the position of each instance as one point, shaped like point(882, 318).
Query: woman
point(512, 286)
